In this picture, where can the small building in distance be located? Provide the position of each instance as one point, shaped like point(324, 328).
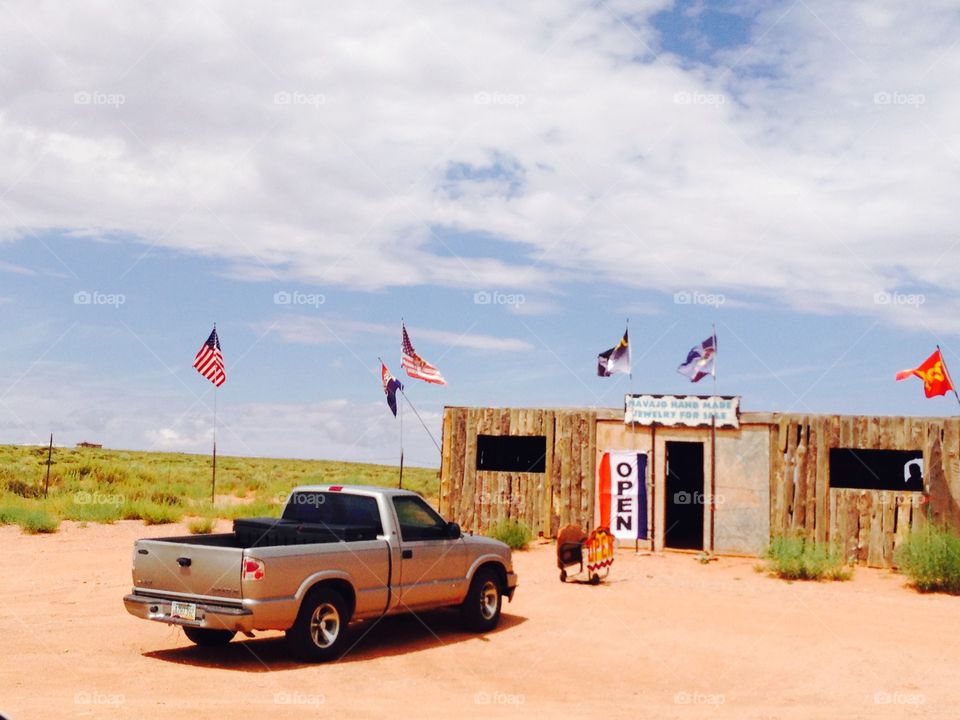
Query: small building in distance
point(89, 445)
point(861, 482)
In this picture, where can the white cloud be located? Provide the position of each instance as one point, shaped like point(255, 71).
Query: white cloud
point(305, 330)
point(16, 269)
point(815, 174)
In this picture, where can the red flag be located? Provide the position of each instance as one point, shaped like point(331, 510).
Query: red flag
point(933, 372)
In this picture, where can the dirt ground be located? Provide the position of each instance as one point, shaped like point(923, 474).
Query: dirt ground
point(665, 637)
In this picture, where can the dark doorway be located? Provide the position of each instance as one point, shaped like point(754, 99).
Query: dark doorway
point(685, 496)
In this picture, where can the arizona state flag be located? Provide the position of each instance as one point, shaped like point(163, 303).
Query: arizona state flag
point(933, 372)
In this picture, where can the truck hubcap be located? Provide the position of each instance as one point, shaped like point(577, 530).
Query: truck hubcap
point(488, 600)
point(325, 625)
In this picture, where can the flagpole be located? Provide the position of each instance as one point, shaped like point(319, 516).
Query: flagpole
point(436, 444)
point(629, 353)
point(713, 448)
point(213, 484)
point(400, 482)
point(947, 373)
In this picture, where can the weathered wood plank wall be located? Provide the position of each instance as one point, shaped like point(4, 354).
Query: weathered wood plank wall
point(867, 524)
point(543, 501)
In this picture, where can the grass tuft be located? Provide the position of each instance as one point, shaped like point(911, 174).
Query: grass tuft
point(799, 558)
point(930, 557)
point(201, 526)
point(32, 520)
point(513, 533)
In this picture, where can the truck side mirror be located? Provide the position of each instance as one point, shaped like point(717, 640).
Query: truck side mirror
point(453, 531)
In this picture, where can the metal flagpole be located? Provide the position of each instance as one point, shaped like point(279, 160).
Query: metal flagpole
point(400, 482)
point(436, 444)
point(213, 484)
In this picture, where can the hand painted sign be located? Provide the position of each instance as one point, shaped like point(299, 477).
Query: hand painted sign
point(684, 410)
point(622, 486)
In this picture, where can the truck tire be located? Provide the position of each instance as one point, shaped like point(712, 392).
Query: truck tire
point(206, 637)
point(318, 632)
point(480, 610)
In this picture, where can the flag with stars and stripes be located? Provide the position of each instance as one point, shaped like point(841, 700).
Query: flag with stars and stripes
point(209, 360)
point(416, 366)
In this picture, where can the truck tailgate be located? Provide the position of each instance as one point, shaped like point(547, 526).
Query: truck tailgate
point(171, 568)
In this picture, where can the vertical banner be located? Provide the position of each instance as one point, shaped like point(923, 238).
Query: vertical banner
point(622, 486)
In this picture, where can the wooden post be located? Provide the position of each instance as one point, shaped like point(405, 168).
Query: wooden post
point(652, 520)
point(46, 483)
point(713, 478)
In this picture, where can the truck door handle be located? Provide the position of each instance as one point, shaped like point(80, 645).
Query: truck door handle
point(406, 554)
point(184, 561)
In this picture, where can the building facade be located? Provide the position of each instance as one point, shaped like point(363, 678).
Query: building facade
point(863, 483)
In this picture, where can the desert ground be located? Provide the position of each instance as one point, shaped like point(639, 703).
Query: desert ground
point(664, 637)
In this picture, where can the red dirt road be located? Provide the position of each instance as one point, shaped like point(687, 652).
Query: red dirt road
point(666, 638)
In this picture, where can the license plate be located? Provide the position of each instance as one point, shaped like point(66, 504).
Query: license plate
point(184, 611)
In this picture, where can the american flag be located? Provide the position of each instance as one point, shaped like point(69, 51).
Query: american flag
point(415, 365)
point(209, 360)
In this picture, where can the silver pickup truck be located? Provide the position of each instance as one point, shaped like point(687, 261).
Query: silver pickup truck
point(337, 554)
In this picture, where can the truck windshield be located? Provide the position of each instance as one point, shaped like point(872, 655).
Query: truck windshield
point(335, 509)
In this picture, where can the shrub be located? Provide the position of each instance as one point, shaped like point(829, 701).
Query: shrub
point(37, 520)
point(91, 512)
point(151, 513)
point(31, 520)
point(201, 526)
point(930, 557)
point(799, 558)
point(513, 533)
point(162, 497)
point(23, 489)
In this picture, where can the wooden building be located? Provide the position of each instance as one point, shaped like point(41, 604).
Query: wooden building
point(839, 479)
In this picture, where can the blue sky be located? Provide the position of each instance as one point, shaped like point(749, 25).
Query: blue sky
point(514, 189)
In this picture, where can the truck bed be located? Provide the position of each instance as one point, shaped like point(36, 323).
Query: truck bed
point(272, 532)
point(265, 532)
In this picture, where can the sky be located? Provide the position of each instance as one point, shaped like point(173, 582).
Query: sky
point(512, 182)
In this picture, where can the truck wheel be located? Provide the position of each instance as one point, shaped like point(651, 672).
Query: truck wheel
point(480, 610)
point(317, 634)
point(206, 637)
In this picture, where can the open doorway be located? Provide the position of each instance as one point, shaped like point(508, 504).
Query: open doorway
point(684, 496)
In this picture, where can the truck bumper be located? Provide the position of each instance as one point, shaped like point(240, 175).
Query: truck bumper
point(207, 615)
point(511, 585)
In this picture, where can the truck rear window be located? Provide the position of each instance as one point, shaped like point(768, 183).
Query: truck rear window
point(334, 509)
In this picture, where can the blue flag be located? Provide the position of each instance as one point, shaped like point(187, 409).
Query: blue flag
point(701, 360)
point(390, 387)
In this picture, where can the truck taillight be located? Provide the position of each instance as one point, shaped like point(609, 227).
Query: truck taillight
point(252, 569)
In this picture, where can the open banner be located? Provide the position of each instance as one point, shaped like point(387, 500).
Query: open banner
point(622, 486)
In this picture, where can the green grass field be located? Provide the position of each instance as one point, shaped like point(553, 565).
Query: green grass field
point(93, 485)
